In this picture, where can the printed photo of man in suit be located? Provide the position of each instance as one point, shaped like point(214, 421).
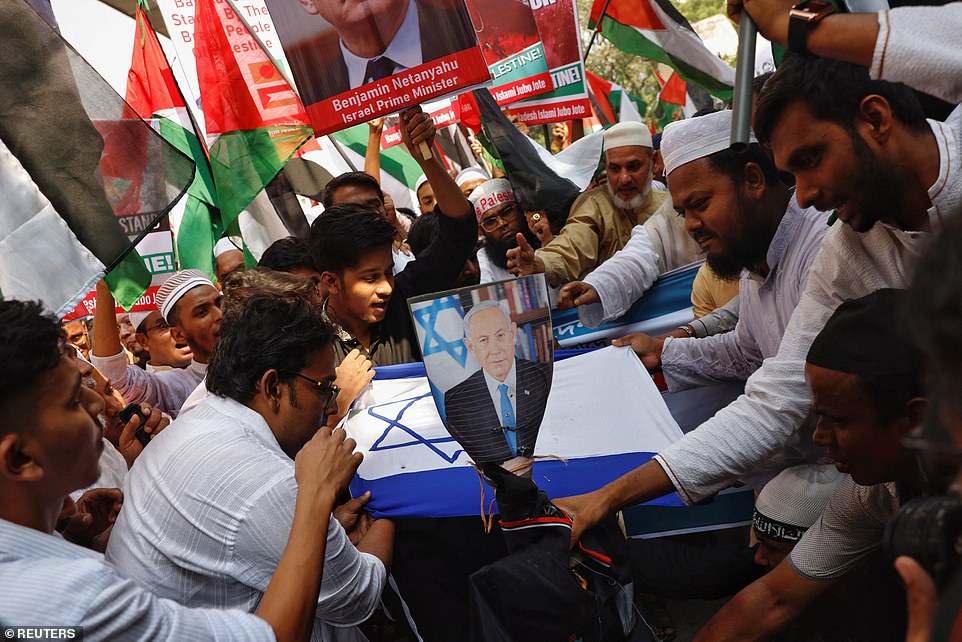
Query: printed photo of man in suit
point(495, 413)
point(338, 45)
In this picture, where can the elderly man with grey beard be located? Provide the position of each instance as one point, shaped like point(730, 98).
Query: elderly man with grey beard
point(601, 220)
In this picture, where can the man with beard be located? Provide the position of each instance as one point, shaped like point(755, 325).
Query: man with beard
point(752, 229)
point(832, 126)
point(190, 305)
point(602, 219)
point(501, 220)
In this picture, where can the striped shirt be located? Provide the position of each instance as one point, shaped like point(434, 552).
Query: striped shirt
point(51, 582)
point(208, 508)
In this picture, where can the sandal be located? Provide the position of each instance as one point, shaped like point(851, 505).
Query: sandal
point(659, 619)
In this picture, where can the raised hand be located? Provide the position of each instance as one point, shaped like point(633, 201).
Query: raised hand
point(522, 260)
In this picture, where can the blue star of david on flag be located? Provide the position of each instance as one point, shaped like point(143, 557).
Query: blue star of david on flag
point(434, 343)
point(382, 412)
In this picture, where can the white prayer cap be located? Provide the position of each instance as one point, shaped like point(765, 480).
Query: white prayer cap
point(136, 318)
point(422, 180)
point(794, 500)
point(684, 141)
point(223, 246)
point(470, 174)
point(490, 194)
point(176, 286)
point(625, 135)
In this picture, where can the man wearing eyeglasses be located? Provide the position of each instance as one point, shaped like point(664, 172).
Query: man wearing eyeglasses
point(208, 509)
point(500, 220)
point(172, 371)
point(152, 333)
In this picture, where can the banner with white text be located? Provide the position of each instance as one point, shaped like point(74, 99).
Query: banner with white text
point(560, 31)
point(351, 64)
point(443, 112)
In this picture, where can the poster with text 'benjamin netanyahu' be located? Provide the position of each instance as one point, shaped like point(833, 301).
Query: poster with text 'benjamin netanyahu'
point(354, 60)
point(557, 22)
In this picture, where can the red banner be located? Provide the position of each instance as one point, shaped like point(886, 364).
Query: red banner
point(443, 113)
point(351, 64)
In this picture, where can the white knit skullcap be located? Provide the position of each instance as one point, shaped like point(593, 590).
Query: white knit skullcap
point(422, 179)
point(684, 141)
point(625, 135)
point(470, 174)
point(176, 286)
point(136, 318)
point(490, 194)
point(223, 246)
point(797, 496)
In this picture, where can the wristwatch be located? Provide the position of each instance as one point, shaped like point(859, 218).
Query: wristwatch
point(801, 18)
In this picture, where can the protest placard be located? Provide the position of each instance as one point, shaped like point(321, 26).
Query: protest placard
point(443, 112)
point(488, 354)
point(512, 49)
point(560, 31)
point(353, 62)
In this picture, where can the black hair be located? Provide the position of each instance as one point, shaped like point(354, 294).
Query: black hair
point(423, 232)
point(758, 82)
point(30, 343)
point(345, 232)
point(287, 254)
point(832, 91)
point(354, 179)
point(264, 332)
point(732, 163)
point(407, 212)
point(890, 393)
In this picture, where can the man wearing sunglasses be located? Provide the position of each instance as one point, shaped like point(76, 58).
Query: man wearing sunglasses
point(207, 514)
point(500, 219)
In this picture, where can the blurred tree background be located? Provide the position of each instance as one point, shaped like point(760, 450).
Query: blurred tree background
point(631, 72)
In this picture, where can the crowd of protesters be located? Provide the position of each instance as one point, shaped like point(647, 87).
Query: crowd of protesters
point(182, 473)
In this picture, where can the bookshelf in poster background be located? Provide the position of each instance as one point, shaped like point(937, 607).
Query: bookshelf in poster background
point(528, 305)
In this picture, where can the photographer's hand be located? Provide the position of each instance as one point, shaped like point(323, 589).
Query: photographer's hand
point(920, 597)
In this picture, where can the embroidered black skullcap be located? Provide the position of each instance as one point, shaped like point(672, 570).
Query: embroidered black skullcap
point(867, 336)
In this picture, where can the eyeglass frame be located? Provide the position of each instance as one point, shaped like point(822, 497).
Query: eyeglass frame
point(501, 218)
point(161, 325)
point(324, 387)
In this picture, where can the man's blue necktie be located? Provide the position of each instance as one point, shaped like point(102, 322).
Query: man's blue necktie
point(378, 68)
point(507, 419)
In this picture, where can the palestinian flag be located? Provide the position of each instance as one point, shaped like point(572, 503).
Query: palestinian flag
point(152, 93)
point(655, 29)
point(615, 103)
point(674, 103)
point(258, 119)
point(399, 171)
point(82, 183)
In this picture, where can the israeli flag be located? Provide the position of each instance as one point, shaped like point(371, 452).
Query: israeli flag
point(605, 417)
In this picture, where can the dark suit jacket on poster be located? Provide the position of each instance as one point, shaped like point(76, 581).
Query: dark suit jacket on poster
point(473, 420)
point(319, 69)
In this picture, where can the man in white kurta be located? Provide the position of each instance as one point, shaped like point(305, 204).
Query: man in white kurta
point(850, 264)
point(207, 511)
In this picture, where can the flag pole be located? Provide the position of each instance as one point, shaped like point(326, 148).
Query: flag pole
point(281, 69)
point(604, 9)
point(742, 93)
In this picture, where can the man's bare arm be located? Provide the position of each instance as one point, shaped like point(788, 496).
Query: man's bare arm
point(765, 606)
point(849, 37)
point(644, 483)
